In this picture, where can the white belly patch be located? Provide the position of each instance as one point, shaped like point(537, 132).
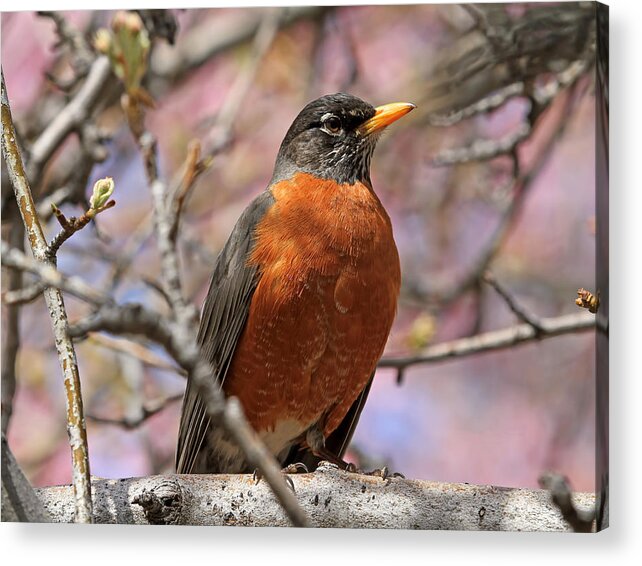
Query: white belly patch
point(283, 434)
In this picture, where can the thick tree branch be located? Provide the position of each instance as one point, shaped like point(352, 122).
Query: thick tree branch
point(54, 299)
point(331, 497)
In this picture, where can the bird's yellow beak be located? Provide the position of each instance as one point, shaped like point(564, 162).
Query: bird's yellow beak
point(384, 116)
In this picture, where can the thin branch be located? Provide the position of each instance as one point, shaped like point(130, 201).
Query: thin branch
point(182, 340)
point(482, 149)
point(51, 277)
point(211, 38)
point(20, 503)
point(57, 198)
point(55, 303)
point(70, 118)
point(487, 149)
point(478, 15)
point(520, 187)
point(11, 332)
point(192, 168)
point(494, 340)
point(130, 249)
point(82, 55)
point(22, 295)
point(501, 50)
point(265, 33)
point(520, 312)
point(72, 225)
point(581, 521)
point(137, 351)
point(147, 411)
point(223, 127)
point(483, 106)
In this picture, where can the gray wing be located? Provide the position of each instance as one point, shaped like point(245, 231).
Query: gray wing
point(223, 318)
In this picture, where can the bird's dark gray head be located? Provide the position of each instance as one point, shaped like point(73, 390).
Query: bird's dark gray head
point(334, 137)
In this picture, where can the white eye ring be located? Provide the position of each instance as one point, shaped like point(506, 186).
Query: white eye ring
point(331, 124)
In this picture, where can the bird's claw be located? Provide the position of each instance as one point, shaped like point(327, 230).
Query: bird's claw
point(296, 468)
point(257, 476)
point(383, 473)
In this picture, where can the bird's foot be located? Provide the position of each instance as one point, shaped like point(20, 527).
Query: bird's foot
point(384, 473)
point(297, 468)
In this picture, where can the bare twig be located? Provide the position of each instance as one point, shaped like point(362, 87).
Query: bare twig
point(23, 295)
point(482, 150)
point(495, 340)
point(82, 55)
point(70, 118)
point(352, 59)
point(222, 129)
point(54, 299)
point(540, 99)
point(499, 51)
point(137, 351)
point(519, 188)
point(213, 37)
point(72, 178)
point(135, 241)
point(160, 23)
point(192, 168)
point(485, 105)
point(478, 15)
point(11, 332)
point(581, 521)
point(72, 225)
point(148, 410)
point(51, 277)
point(520, 312)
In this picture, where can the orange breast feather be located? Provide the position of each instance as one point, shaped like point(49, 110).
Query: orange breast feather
point(322, 310)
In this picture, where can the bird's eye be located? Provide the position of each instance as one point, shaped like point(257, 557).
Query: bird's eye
point(332, 124)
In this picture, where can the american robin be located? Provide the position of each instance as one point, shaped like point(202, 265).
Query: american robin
point(302, 297)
